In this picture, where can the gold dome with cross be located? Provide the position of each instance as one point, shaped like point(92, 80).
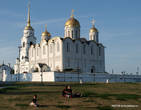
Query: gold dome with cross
point(93, 29)
point(72, 22)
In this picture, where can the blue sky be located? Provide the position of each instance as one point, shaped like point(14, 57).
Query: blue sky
point(118, 22)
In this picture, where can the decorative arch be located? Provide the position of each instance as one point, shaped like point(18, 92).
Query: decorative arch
point(45, 68)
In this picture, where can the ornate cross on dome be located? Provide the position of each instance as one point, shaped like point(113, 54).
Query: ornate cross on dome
point(45, 27)
point(72, 15)
point(93, 22)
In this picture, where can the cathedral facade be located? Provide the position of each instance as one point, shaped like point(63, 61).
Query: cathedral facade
point(68, 53)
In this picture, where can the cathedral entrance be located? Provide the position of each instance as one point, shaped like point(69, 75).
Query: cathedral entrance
point(44, 67)
point(93, 69)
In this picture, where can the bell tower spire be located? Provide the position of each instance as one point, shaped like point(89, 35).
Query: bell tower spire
point(28, 19)
point(28, 26)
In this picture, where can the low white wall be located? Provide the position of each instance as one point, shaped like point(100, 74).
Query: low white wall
point(70, 77)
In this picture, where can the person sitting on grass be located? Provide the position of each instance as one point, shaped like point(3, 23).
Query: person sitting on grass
point(34, 101)
point(67, 92)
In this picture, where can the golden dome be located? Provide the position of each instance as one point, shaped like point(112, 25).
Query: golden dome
point(46, 33)
point(28, 28)
point(72, 22)
point(93, 29)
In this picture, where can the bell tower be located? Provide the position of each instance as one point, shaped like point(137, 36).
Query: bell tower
point(27, 40)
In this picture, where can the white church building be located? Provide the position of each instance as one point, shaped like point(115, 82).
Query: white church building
point(59, 54)
point(61, 59)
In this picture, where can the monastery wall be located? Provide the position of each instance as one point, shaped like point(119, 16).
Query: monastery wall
point(69, 77)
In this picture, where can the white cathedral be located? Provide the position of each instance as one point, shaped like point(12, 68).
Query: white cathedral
point(68, 53)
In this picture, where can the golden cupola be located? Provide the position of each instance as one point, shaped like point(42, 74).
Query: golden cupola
point(93, 34)
point(93, 29)
point(46, 33)
point(72, 22)
point(28, 26)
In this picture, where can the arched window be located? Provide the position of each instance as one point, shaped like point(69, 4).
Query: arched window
point(32, 52)
point(92, 69)
point(76, 48)
point(99, 51)
point(76, 33)
point(68, 33)
point(84, 49)
point(72, 34)
point(23, 44)
point(68, 47)
point(58, 47)
point(91, 50)
point(44, 50)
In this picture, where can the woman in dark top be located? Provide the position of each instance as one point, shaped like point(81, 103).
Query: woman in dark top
point(67, 92)
point(34, 101)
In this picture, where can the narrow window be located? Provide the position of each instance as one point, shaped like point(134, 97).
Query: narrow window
point(76, 33)
point(68, 48)
point(44, 50)
point(31, 43)
point(32, 52)
point(99, 51)
point(58, 47)
point(72, 33)
point(23, 44)
point(91, 50)
point(50, 48)
point(84, 49)
point(76, 48)
point(68, 33)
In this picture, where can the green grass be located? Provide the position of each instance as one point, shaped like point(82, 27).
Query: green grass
point(95, 96)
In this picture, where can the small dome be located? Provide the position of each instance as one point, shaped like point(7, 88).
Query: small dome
point(93, 29)
point(72, 22)
point(28, 28)
point(46, 33)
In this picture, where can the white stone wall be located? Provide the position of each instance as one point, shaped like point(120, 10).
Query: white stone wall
point(70, 77)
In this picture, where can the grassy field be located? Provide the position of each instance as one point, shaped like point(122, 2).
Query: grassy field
point(96, 96)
